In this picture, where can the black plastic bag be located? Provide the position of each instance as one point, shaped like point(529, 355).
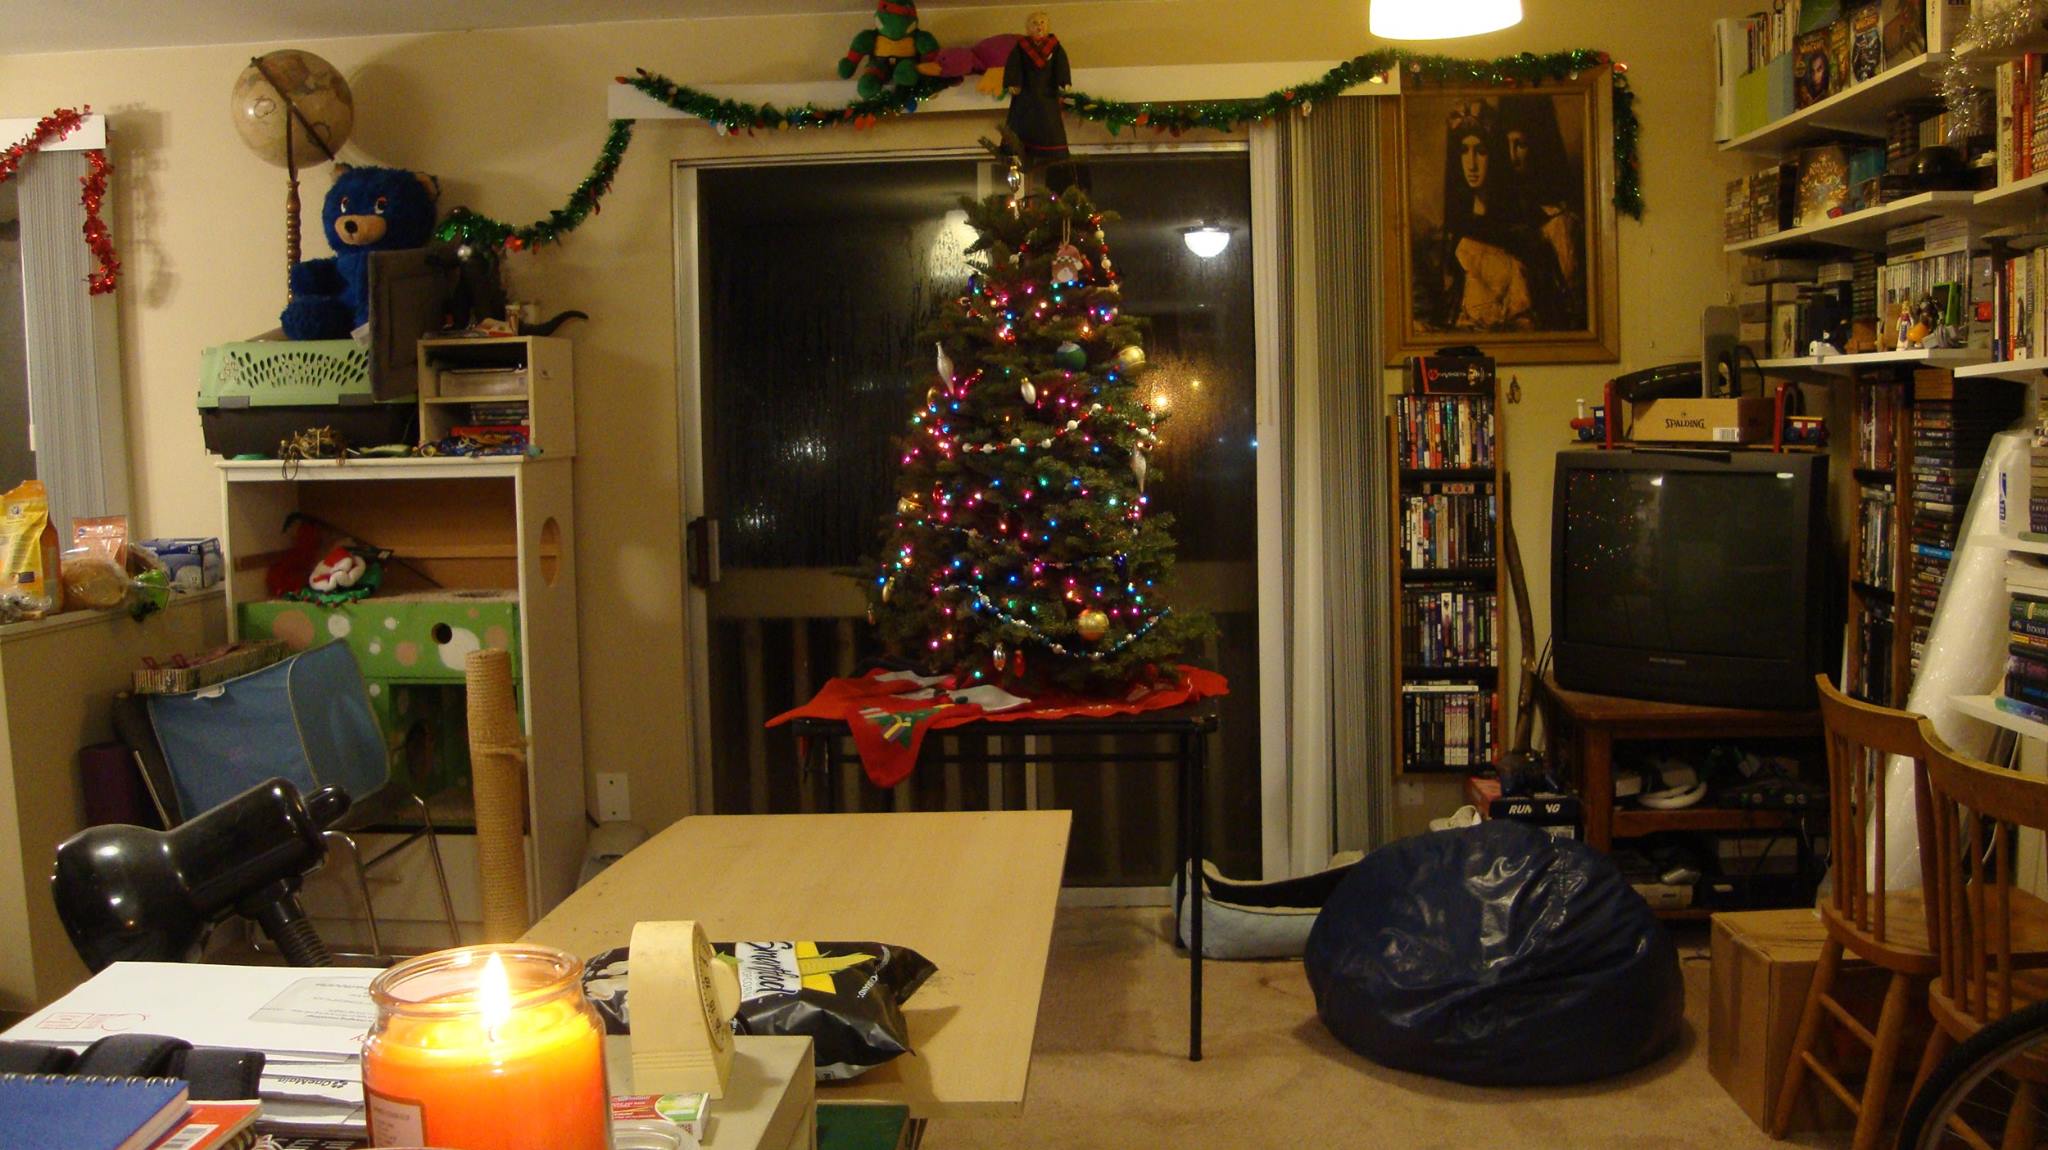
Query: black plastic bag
point(844, 996)
point(1495, 955)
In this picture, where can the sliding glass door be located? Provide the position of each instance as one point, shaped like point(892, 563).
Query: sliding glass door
point(804, 288)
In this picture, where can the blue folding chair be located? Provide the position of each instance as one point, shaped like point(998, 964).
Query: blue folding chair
point(306, 719)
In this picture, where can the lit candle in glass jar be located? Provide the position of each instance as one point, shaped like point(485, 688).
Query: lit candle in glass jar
point(486, 1048)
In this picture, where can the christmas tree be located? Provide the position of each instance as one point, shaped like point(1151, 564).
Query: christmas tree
point(1023, 546)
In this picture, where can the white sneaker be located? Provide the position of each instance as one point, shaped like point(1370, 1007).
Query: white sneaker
point(1466, 816)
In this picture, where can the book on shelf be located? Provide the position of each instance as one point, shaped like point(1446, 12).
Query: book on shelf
point(215, 1126)
point(88, 1112)
point(1444, 432)
point(1866, 43)
point(1448, 724)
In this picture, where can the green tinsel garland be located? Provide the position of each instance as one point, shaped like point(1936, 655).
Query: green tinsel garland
point(1116, 115)
point(465, 226)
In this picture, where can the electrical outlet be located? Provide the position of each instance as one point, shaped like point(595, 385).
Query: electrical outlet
point(614, 805)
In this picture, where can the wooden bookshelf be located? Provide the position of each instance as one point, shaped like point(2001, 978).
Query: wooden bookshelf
point(1443, 515)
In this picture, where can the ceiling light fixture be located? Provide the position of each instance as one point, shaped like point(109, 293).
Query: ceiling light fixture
point(1440, 19)
point(1206, 240)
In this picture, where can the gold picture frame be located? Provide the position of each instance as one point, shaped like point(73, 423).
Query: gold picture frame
point(1501, 233)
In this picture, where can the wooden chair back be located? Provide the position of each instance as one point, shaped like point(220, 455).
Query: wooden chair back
point(1978, 812)
point(1861, 740)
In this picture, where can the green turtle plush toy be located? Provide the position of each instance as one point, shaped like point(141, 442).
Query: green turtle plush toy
point(894, 48)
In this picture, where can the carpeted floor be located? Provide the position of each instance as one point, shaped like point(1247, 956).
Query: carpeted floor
point(1111, 1068)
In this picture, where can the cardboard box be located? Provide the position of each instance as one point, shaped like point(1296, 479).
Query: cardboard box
point(1697, 420)
point(1763, 962)
point(1557, 815)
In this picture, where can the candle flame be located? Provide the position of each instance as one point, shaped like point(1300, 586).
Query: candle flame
point(494, 995)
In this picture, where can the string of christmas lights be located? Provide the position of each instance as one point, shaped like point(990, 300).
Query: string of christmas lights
point(983, 603)
point(99, 240)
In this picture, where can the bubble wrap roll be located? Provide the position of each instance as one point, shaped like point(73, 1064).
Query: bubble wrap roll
point(497, 767)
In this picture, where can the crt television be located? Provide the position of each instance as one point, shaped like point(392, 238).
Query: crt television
point(1691, 576)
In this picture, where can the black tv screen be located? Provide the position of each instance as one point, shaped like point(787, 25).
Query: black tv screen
point(1691, 577)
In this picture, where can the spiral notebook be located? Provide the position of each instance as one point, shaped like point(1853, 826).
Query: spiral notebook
point(87, 1112)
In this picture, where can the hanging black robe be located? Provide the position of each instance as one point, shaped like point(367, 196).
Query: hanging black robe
point(1037, 71)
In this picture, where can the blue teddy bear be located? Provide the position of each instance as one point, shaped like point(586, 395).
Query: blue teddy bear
point(367, 210)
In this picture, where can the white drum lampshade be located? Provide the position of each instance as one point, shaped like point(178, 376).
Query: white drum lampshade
point(1441, 19)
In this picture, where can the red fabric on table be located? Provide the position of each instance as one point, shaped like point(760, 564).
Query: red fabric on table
point(890, 712)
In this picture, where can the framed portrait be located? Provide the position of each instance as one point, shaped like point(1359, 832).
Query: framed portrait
point(1500, 228)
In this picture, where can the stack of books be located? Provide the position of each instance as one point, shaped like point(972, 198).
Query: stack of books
point(1874, 552)
point(1870, 678)
point(1448, 726)
point(2021, 86)
point(1447, 526)
point(1439, 432)
point(2026, 661)
point(2037, 472)
point(1449, 626)
point(1952, 426)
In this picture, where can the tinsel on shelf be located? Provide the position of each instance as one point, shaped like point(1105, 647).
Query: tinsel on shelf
point(1993, 25)
point(1023, 545)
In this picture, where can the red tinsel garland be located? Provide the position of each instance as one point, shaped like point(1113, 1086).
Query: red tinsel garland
point(56, 126)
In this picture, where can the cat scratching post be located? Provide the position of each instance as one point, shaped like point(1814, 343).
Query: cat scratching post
point(497, 767)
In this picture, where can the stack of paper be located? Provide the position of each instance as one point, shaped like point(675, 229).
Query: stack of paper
point(309, 1023)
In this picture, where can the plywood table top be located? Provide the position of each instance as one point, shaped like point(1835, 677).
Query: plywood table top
point(972, 891)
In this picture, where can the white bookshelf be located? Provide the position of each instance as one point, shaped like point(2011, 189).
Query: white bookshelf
point(1954, 358)
point(2017, 370)
point(1858, 111)
point(1865, 229)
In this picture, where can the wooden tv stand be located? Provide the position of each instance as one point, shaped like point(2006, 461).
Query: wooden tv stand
point(1587, 727)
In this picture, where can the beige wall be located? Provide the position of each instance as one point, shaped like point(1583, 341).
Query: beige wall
point(511, 120)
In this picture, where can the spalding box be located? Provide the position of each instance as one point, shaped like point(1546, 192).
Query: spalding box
point(1696, 420)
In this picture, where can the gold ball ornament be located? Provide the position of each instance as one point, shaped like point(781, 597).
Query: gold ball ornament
point(1092, 624)
point(888, 590)
point(931, 398)
point(1131, 358)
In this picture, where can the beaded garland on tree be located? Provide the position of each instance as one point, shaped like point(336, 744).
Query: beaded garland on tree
point(1023, 544)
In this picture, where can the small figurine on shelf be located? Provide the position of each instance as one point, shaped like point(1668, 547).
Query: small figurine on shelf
point(1806, 430)
point(1909, 330)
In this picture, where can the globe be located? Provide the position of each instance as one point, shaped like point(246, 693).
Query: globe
point(319, 92)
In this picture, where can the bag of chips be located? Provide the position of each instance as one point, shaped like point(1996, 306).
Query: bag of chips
point(28, 548)
point(844, 996)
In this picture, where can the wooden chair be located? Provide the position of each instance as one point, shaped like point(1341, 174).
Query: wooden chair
point(1992, 937)
point(1888, 928)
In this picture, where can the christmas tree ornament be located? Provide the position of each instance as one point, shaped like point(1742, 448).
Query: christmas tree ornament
point(871, 615)
point(888, 590)
point(1070, 355)
point(945, 364)
point(1068, 266)
point(1131, 358)
point(1138, 467)
point(1029, 392)
point(999, 657)
point(932, 397)
point(1092, 625)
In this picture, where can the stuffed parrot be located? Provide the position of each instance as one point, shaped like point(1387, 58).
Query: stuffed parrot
point(894, 48)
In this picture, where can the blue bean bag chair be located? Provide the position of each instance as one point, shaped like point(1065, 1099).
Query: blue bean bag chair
point(1495, 955)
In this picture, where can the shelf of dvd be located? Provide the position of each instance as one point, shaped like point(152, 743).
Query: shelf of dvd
point(1872, 664)
point(1447, 590)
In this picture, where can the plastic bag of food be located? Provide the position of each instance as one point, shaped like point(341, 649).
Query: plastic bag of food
point(844, 996)
point(105, 536)
point(92, 581)
point(28, 548)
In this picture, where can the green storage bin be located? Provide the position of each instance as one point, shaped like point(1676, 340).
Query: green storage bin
point(419, 637)
point(256, 393)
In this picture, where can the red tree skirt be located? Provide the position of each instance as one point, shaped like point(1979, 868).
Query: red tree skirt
point(890, 712)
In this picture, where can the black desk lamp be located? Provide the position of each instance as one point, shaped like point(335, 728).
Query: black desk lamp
point(130, 893)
